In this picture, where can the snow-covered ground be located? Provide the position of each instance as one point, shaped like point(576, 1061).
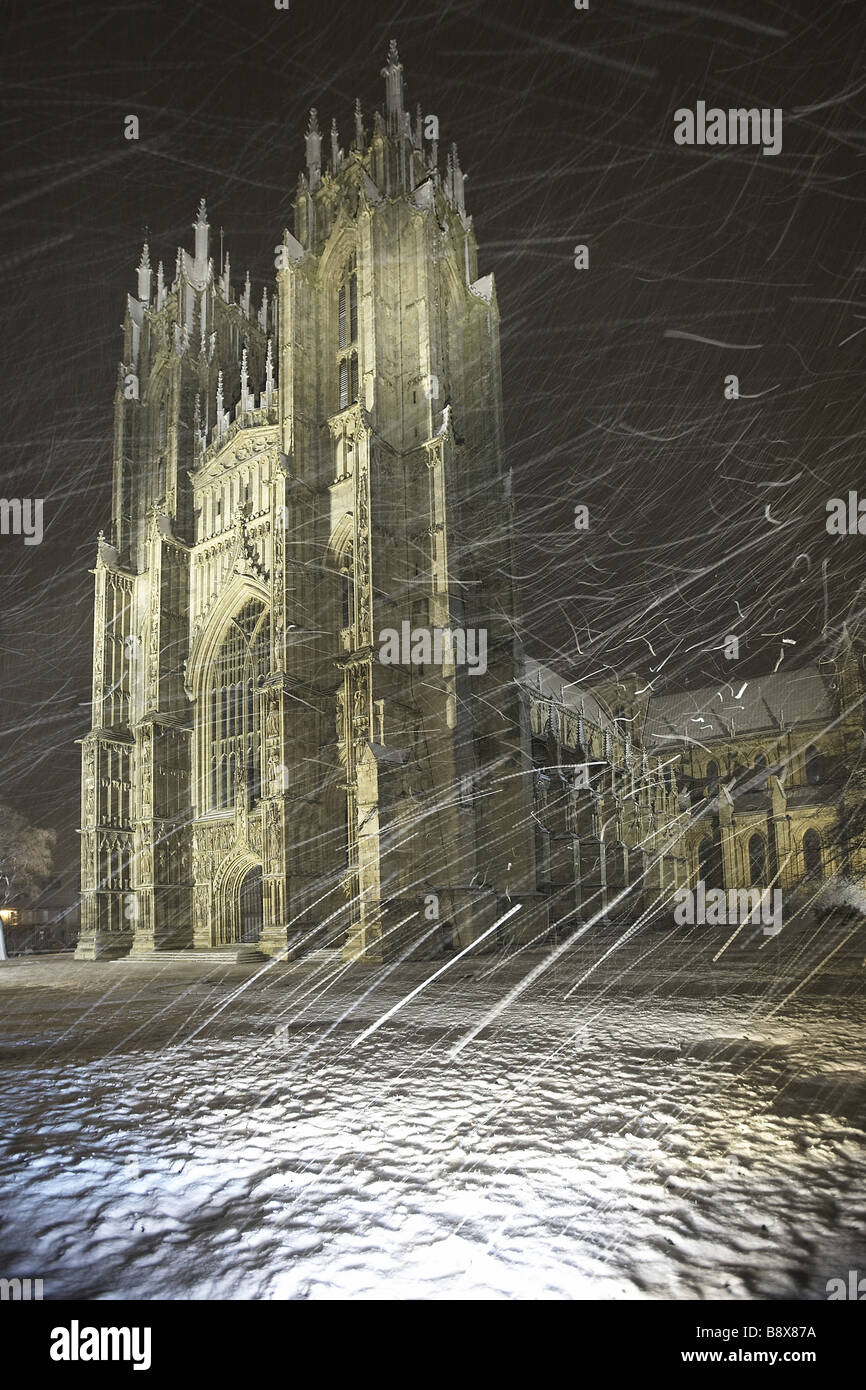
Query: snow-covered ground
point(661, 1126)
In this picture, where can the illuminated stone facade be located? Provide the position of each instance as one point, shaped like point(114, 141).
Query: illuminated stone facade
point(289, 482)
point(245, 731)
point(773, 776)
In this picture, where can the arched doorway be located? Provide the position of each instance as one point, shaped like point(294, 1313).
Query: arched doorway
point(251, 905)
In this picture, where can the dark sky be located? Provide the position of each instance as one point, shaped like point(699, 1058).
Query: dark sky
point(564, 123)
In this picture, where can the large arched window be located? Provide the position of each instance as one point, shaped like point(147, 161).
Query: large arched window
point(234, 708)
point(812, 855)
point(757, 861)
point(813, 766)
point(712, 779)
point(347, 335)
point(761, 772)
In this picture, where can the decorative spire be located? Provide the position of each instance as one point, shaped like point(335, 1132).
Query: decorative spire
point(263, 311)
point(269, 378)
point(458, 179)
point(245, 383)
point(202, 230)
point(393, 75)
point(245, 301)
point(314, 151)
point(144, 275)
point(359, 126)
point(160, 286)
point(225, 282)
point(336, 161)
point(219, 408)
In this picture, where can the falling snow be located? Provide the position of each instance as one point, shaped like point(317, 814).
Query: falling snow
point(628, 1116)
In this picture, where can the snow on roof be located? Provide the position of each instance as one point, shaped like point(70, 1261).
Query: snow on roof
point(768, 702)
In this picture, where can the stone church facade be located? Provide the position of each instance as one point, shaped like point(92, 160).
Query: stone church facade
point(774, 777)
point(290, 480)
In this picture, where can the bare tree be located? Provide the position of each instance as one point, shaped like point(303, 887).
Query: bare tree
point(25, 860)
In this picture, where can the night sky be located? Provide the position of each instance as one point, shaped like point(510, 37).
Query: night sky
point(707, 516)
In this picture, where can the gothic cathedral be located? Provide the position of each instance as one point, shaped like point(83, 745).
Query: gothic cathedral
point(288, 482)
point(295, 481)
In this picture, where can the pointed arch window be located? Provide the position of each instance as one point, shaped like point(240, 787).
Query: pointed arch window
point(233, 704)
point(812, 859)
point(813, 766)
point(705, 860)
point(347, 334)
point(757, 861)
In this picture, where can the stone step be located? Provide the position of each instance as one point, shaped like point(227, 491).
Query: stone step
point(242, 954)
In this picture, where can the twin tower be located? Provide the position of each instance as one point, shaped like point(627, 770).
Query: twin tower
point(291, 480)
